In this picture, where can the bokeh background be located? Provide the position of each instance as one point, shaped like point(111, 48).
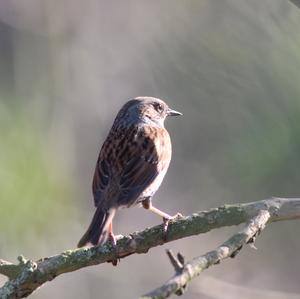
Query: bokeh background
point(231, 66)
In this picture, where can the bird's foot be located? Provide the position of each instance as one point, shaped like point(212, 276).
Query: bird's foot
point(113, 241)
point(166, 221)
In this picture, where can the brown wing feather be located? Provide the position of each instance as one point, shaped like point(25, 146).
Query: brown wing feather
point(128, 163)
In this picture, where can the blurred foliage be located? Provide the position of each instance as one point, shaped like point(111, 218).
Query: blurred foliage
point(33, 187)
point(267, 152)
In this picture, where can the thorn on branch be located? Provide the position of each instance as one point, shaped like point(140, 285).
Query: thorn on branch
point(26, 267)
point(22, 260)
point(178, 264)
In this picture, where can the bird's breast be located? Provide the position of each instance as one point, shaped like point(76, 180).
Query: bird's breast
point(159, 143)
point(162, 148)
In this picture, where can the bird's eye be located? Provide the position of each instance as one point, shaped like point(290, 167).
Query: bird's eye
point(158, 107)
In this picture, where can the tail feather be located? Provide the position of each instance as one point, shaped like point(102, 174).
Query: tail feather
point(98, 230)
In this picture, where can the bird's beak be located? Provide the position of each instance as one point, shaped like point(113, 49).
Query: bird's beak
point(173, 112)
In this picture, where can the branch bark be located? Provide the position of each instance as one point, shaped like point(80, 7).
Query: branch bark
point(230, 248)
point(26, 276)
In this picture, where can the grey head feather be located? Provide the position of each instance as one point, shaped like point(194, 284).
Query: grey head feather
point(143, 110)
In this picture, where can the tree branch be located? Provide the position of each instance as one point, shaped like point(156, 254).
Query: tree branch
point(193, 268)
point(27, 276)
point(9, 269)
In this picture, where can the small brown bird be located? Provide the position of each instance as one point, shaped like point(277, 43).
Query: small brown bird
point(131, 165)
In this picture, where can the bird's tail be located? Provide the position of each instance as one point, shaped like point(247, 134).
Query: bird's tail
point(97, 232)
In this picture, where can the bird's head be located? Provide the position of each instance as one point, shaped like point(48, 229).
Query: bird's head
point(148, 110)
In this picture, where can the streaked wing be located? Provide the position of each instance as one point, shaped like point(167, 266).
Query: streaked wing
point(138, 174)
point(128, 161)
point(101, 179)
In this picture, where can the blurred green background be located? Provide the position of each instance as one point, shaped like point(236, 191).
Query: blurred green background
point(231, 66)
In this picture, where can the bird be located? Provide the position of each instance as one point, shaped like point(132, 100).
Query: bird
point(131, 165)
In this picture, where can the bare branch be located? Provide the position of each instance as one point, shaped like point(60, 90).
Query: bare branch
point(228, 249)
point(26, 276)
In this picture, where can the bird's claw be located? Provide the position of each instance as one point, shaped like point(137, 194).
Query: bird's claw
point(113, 241)
point(165, 227)
point(166, 222)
